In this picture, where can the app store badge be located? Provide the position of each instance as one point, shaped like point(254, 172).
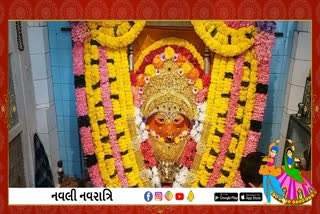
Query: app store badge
point(226, 196)
point(251, 196)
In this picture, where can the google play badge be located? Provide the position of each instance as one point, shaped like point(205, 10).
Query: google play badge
point(168, 195)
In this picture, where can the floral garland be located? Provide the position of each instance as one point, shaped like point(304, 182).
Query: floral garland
point(113, 148)
point(219, 95)
point(266, 26)
point(119, 72)
point(79, 34)
point(223, 39)
point(239, 24)
point(189, 154)
point(107, 104)
point(146, 149)
point(230, 121)
point(140, 124)
point(99, 130)
point(127, 100)
point(150, 163)
point(181, 177)
point(263, 45)
point(231, 39)
point(180, 45)
point(116, 34)
point(244, 116)
point(107, 143)
point(264, 42)
point(197, 128)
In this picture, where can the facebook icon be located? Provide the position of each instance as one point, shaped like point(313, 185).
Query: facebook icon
point(148, 196)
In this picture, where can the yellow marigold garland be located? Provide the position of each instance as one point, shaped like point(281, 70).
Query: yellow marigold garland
point(126, 100)
point(169, 41)
point(244, 113)
point(119, 71)
point(115, 34)
point(107, 167)
point(225, 40)
point(246, 118)
point(216, 116)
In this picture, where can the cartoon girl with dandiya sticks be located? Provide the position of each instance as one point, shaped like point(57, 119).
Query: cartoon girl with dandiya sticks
point(270, 183)
point(298, 189)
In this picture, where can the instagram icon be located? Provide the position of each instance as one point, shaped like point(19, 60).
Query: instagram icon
point(158, 196)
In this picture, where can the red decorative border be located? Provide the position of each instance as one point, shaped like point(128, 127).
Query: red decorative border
point(152, 9)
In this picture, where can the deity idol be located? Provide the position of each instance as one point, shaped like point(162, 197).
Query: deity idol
point(169, 95)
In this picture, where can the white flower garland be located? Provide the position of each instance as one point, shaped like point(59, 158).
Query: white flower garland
point(143, 135)
point(154, 177)
point(140, 125)
point(195, 134)
point(196, 130)
point(181, 177)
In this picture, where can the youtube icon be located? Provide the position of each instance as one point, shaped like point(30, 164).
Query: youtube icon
point(179, 196)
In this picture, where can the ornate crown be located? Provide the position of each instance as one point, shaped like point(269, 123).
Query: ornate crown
point(169, 78)
point(169, 92)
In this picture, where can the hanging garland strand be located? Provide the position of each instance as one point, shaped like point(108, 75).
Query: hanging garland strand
point(108, 113)
point(19, 36)
point(224, 67)
point(264, 42)
point(83, 118)
point(99, 130)
point(263, 45)
point(230, 122)
point(119, 71)
point(126, 101)
point(245, 108)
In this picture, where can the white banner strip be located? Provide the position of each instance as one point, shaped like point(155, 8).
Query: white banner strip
point(138, 196)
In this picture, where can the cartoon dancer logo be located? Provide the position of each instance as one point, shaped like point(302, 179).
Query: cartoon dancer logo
point(299, 189)
point(270, 183)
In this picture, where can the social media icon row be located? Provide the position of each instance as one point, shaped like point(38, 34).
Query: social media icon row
point(158, 196)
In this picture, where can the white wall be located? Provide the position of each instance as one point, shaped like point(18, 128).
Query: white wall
point(44, 101)
point(300, 65)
